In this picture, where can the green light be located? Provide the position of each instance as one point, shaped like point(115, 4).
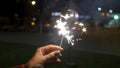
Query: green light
point(116, 17)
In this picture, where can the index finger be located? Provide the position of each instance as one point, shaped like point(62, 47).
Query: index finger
point(50, 48)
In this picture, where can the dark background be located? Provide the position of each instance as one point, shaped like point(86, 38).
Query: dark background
point(99, 47)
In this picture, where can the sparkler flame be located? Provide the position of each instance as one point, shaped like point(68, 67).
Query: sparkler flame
point(65, 30)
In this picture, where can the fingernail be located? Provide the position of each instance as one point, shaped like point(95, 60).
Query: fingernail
point(58, 53)
point(60, 47)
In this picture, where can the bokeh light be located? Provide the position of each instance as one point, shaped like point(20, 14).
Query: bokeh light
point(33, 2)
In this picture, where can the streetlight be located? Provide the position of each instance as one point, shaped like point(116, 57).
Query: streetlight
point(110, 11)
point(99, 8)
point(116, 17)
point(33, 2)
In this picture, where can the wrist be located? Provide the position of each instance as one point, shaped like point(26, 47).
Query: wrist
point(29, 65)
point(26, 66)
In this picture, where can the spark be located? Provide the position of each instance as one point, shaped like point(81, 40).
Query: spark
point(84, 30)
point(66, 16)
point(81, 24)
point(74, 28)
point(78, 39)
point(76, 23)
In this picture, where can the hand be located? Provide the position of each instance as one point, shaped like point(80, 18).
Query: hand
point(43, 56)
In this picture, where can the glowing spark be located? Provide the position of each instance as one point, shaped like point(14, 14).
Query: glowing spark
point(76, 23)
point(78, 39)
point(74, 28)
point(69, 38)
point(66, 16)
point(81, 24)
point(84, 30)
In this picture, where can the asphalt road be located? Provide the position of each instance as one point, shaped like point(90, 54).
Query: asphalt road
point(105, 41)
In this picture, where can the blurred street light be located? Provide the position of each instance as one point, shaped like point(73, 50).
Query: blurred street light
point(116, 17)
point(107, 14)
point(102, 14)
point(34, 19)
point(33, 2)
point(99, 8)
point(110, 11)
point(32, 23)
point(16, 15)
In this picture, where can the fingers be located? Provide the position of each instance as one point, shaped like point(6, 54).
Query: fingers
point(46, 54)
point(58, 60)
point(50, 48)
point(52, 55)
point(50, 52)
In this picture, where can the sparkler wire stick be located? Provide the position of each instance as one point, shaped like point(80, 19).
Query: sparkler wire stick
point(59, 53)
point(61, 41)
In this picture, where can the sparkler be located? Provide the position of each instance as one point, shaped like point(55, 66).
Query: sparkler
point(66, 28)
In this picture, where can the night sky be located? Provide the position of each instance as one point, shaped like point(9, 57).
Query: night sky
point(86, 6)
point(10, 7)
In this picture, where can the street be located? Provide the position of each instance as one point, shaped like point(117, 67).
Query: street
point(102, 41)
point(98, 48)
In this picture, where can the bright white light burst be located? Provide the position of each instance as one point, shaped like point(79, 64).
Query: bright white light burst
point(65, 28)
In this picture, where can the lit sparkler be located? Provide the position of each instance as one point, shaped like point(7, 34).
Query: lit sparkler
point(66, 31)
